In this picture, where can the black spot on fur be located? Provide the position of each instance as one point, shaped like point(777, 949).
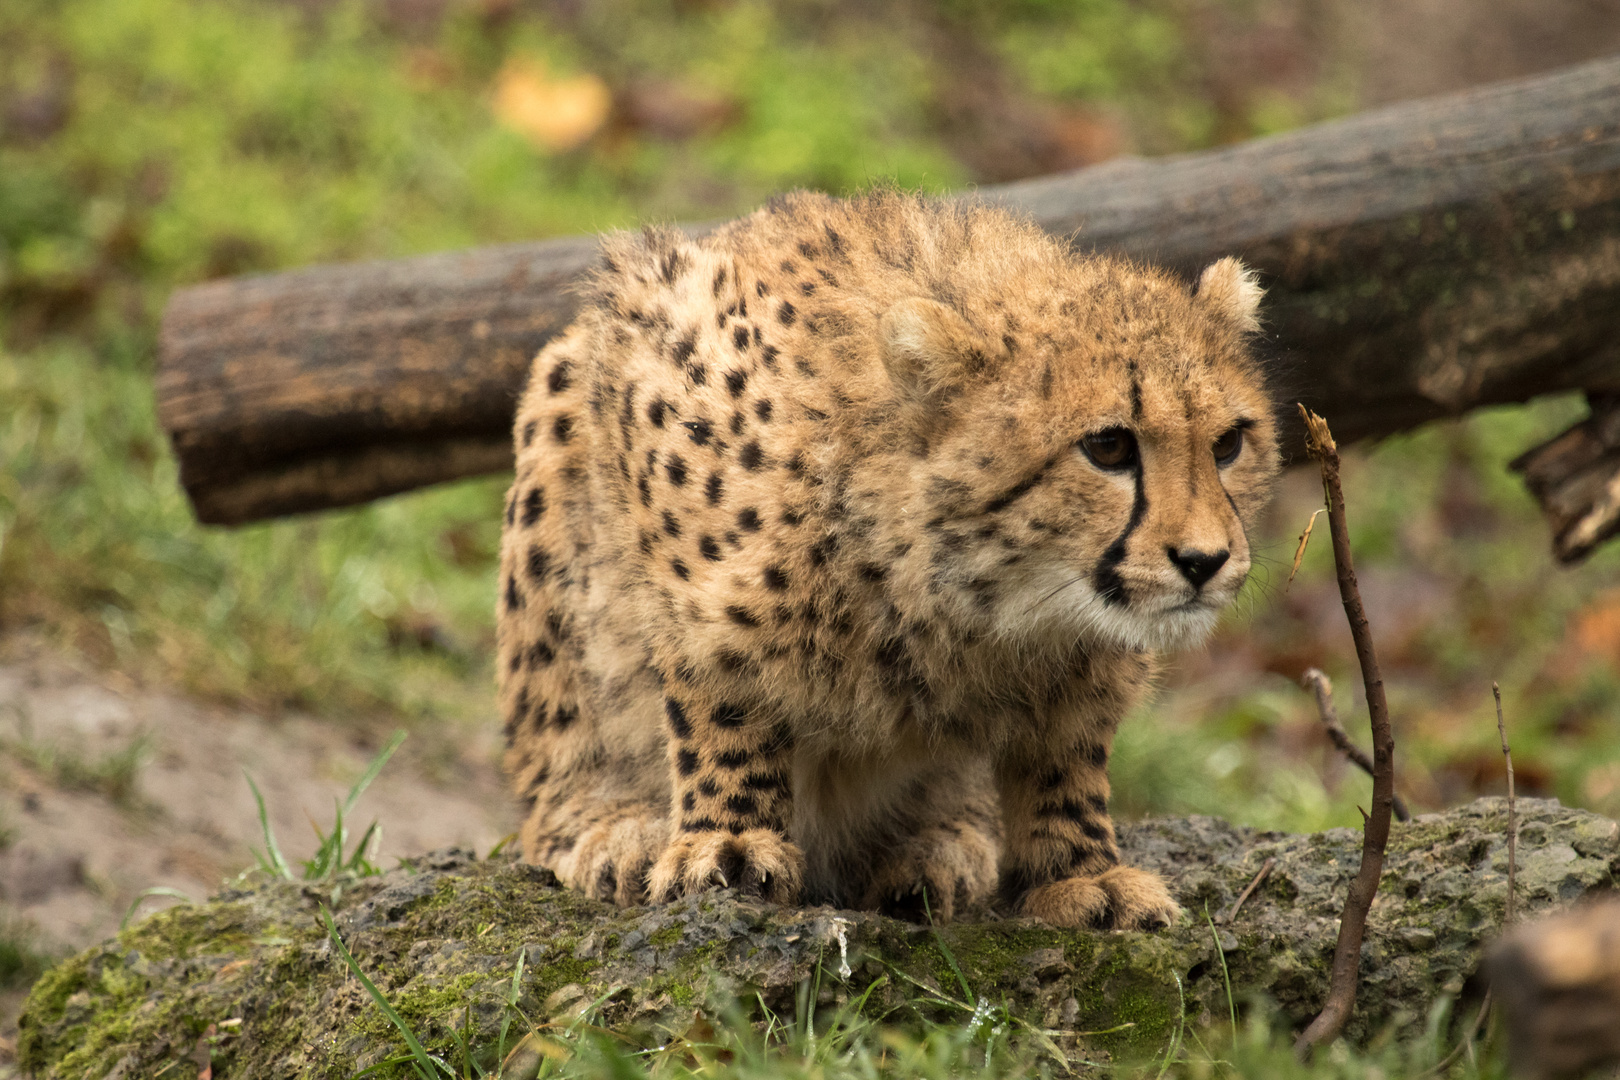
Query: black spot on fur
point(727, 715)
point(701, 824)
point(775, 578)
point(763, 409)
point(823, 549)
point(514, 599)
point(671, 525)
point(733, 759)
point(683, 349)
point(689, 801)
point(528, 434)
point(760, 288)
point(714, 489)
point(763, 781)
point(697, 373)
point(686, 762)
point(680, 569)
point(655, 412)
point(534, 504)
point(808, 250)
point(709, 549)
point(708, 788)
point(541, 654)
point(768, 357)
point(741, 805)
point(562, 428)
point(786, 313)
point(741, 616)
point(748, 520)
point(807, 288)
point(675, 469)
point(789, 267)
point(719, 280)
point(678, 723)
point(751, 456)
point(561, 377)
point(674, 265)
point(739, 336)
point(565, 716)
point(873, 572)
point(701, 430)
point(736, 381)
point(738, 422)
point(646, 490)
point(791, 516)
point(539, 563)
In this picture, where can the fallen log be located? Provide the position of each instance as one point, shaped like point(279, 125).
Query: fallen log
point(1422, 260)
point(442, 940)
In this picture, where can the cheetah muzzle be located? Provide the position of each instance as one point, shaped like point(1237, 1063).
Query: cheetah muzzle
point(841, 541)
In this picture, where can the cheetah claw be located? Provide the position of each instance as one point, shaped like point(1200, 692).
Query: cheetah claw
point(759, 861)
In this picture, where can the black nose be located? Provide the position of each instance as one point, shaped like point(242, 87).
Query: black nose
point(1198, 566)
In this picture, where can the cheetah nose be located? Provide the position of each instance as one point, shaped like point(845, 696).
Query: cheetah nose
point(1198, 566)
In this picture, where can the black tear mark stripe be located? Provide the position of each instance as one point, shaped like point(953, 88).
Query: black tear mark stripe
point(1136, 390)
point(1020, 489)
point(1110, 586)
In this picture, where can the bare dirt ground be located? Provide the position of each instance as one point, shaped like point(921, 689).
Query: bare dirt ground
point(108, 789)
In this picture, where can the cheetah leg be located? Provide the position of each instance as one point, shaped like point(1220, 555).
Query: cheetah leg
point(1061, 863)
point(939, 872)
point(733, 796)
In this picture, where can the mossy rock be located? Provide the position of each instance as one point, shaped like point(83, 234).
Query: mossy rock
point(441, 938)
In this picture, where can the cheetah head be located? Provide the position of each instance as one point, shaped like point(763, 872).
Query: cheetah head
point(1112, 441)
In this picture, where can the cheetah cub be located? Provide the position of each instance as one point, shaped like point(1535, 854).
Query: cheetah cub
point(841, 540)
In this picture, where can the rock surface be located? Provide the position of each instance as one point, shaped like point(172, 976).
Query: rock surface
point(442, 938)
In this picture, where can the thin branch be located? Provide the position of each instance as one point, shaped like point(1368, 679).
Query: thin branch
point(1265, 871)
point(1513, 819)
point(1375, 837)
point(1315, 680)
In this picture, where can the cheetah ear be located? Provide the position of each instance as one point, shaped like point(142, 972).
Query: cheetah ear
point(928, 349)
point(1233, 290)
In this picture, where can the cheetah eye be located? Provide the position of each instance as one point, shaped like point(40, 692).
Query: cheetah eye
point(1228, 446)
point(1112, 449)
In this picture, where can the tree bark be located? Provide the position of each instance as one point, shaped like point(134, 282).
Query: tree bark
point(1421, 260)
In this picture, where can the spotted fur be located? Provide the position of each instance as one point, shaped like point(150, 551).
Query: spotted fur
point(822, 578)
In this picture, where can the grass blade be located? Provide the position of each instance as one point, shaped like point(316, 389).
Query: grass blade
point(156, 890)
point(277, 864)
point(424, 1062)
point(373, 769)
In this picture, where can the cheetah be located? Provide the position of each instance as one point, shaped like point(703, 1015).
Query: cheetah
point(841, 540)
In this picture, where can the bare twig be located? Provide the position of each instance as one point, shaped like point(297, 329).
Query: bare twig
point(1513, 819)
point(1314, 679)
point(1299, 552)
point(1353, 924)
point(1265, 871)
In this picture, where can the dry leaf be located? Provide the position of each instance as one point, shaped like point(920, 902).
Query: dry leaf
point(554, 114)
point(1299, 553)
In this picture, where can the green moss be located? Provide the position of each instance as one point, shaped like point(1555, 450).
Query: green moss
point(666, 936)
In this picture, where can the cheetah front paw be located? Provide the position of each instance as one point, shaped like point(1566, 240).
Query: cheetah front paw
point(935, 874)
point(757, 862)
point(611, 859)
point(1122, 898)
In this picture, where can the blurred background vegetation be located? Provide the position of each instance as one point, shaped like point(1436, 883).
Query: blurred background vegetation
point(146, 144)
